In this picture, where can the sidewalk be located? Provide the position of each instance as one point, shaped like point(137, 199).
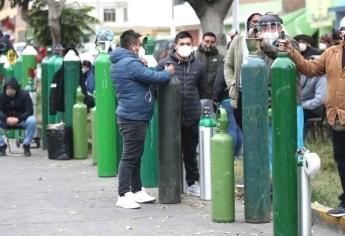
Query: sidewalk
point(47, 197)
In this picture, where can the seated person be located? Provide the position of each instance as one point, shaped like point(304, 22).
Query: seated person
point(16, 110)
point(313, 96)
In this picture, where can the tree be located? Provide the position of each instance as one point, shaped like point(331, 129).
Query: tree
point(72, 20)
point(211, 14)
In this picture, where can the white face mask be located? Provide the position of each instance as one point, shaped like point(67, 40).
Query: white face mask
point(141, 52)
point(270, 37)
point(184, 51)
point(322, 46)
point(302, 47)
point(84, 70)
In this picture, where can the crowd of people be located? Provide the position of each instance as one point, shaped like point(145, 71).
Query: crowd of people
point(210, 79)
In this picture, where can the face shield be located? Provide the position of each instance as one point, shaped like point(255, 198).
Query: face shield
point(269, 31)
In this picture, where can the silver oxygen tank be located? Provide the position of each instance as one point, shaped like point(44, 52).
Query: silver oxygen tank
point(206, 131)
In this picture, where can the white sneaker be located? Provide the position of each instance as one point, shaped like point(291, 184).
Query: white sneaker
point(127, 201)
point(143, 197)
point(194, 189)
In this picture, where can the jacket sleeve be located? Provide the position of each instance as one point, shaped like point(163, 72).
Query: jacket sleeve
point(29, 107)
point(2, 114)
point(143, 74)
point(219, 85)
point(229, 65)
point(320, 95)
point(316, 67)
point(202, 81)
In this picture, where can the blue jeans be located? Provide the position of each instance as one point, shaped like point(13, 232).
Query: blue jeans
point(133, 134)
point(29, 125)
point(233, 129)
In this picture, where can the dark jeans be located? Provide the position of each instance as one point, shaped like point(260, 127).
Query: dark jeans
point(189, 143)
point(238, 111)
point(338, 139)
point(133, 134)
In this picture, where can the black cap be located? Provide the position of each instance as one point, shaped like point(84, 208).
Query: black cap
point(304, 37)
point(270, 18)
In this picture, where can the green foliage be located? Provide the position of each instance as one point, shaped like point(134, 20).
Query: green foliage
point(75, 23)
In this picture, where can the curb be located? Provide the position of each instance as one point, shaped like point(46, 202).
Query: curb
point(320, 216)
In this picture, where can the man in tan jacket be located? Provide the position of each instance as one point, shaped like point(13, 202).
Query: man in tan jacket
point(332, 63)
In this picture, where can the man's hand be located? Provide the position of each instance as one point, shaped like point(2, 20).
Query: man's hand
point(170, 68)
point(143, 60)
point(12, 121)
point(285, 46)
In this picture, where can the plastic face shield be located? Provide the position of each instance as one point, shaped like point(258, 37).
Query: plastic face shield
point(269, 27)
point(103, 46)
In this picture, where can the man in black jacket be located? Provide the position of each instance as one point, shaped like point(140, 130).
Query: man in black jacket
point(16, 111)
point(191, 72)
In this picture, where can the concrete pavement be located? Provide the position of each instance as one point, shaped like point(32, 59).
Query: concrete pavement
point(48, 197)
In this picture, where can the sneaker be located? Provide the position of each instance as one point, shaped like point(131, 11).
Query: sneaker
point(26, 148)
point(143, 197)
point(337, 212)
point(194, 189)
point(127, 201)
point(3, 150)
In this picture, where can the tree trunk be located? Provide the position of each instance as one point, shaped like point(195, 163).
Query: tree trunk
point(54, 13)
point(211, 14)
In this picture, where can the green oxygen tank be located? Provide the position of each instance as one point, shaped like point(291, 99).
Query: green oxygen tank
point(3, 60)
point(149, 159)
point(18, 68)
point(80, 144)
point(71, 82)
point(94, 133)
point(284, 131)
point(105, 118)
point(29, 65)
point(257, 183)
point(222, 171)
point(169, 142)
point(54, 64)
point(45, 97)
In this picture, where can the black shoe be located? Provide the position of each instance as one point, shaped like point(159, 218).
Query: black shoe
point(337, 212)
point(26, 148)
point(3, 150)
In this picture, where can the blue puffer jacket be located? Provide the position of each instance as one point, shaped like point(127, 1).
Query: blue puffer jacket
point(132, 80)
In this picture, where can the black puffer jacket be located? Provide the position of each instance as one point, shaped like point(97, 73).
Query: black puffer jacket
point(20, 106)
point(190, 74)
point(212, 61)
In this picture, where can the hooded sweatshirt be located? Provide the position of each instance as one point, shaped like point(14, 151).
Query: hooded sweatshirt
point(19, 106)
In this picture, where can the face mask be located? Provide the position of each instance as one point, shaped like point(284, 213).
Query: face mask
point(322, 46)
point(184, 51)
point(302, 47)
point(209, 49)
point(10, 92)
point(84, 70)
point(270, 38)
point(141, 52)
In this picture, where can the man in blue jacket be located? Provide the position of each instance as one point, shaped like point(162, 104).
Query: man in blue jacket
point(16, 110)
point(132, 80)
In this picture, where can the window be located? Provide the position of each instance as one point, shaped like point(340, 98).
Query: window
point(125, 14)
point(109, 15)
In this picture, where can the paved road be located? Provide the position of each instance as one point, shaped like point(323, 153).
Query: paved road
point(39, 196)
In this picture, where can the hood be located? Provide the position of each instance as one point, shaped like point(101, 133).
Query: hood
point(13, 83)
point(120, 53)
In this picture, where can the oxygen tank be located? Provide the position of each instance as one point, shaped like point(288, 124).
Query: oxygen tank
point(206, 130)
point(80, 144)
point(222, 171)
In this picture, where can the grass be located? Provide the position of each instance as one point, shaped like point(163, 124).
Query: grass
point(325, 187)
